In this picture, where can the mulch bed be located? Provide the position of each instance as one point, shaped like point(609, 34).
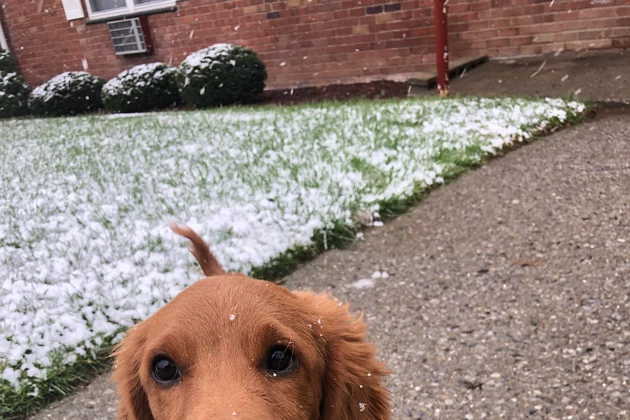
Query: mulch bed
point(374, 90)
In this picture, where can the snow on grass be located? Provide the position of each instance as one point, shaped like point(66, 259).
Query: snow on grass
point(85, 250)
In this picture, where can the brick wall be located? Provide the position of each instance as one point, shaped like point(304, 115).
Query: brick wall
point(307, 42)
point(532, 27)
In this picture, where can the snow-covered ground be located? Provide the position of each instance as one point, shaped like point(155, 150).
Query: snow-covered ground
point(85, 247)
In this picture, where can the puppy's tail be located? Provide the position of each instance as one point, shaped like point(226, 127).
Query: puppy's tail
point(200, 250)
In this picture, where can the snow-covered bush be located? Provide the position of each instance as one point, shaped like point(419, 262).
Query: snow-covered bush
point(222, 74)
point(142, 88)
point(13, 95)
point(69, 93)
point(7, 62)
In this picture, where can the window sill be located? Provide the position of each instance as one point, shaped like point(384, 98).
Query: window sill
point(167, 9)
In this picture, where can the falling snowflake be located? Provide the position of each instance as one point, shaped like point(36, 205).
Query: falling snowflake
point(539, 69)
point(232, 317)
point(362, 406)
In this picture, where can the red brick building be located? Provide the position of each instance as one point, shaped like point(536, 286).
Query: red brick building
point(305, 42)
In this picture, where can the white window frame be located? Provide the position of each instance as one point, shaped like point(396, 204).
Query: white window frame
point(131, 8)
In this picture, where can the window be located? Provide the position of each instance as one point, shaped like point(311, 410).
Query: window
point(113, 8)
point(107, 5)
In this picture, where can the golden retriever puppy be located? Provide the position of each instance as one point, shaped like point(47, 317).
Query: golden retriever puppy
point(231, 347)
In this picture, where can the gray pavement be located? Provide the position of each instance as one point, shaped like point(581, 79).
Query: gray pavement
point(508, 293)
point(593, 75)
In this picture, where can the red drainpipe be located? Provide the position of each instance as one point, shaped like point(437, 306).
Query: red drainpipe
point(441, 47)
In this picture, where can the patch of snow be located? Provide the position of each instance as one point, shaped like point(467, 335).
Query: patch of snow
point(126, 82)
point(363, 284)
point(206, 57)
point(61, 83)
point(8, 80)
point(129, 115)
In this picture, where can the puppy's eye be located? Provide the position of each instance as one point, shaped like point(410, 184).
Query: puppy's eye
point(164, 370)
point(280, 359)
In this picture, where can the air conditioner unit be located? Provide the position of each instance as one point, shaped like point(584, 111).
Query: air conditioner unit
point(130, 36)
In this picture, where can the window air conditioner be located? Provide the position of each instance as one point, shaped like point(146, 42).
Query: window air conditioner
point(130, 36)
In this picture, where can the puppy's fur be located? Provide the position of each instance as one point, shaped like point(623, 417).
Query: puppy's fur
point(219, 331)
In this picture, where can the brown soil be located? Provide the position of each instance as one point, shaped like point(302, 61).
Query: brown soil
point(374, 90)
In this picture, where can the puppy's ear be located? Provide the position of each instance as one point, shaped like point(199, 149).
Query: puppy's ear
point(134, 404)
point(352, 379)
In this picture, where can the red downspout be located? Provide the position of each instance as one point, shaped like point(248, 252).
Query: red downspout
point(441, 48)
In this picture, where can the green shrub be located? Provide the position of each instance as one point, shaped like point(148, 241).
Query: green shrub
point(13, 95)
point(7, 62)
point(142, 88)
point(69, 93)
point(222, 74)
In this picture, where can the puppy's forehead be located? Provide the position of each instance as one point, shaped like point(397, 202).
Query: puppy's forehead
point(224, 299)
point(225, 313)
point(227, 289)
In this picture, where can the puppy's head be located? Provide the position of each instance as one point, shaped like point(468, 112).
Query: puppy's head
point(233, 347)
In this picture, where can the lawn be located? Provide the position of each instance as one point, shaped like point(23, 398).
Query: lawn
point(85, 249)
